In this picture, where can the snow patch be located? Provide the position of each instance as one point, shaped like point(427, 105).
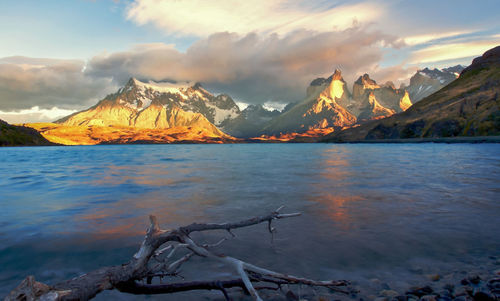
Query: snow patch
point(220, 114)
point(164, 87)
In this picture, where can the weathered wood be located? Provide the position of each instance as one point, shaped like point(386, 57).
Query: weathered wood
point(150, 261)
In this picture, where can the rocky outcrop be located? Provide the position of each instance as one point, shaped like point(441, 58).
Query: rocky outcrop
point(372, 109)
point(372, 101)
point(324, 107)
point(468, 106)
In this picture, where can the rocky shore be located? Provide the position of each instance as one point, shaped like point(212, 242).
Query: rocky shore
point(481, 283)
point(471, 287)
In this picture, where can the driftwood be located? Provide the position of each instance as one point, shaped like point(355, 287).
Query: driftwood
point(157, 258)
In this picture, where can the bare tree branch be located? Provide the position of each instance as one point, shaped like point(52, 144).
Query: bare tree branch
point(126, 276)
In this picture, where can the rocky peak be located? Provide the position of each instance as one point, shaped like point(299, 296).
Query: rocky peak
point(258, 111)
point(336, 89)
point(318, 81)
point(366, 82)
point(454, 69)
point(427, 81)
point(337, 75)
point(332, 87)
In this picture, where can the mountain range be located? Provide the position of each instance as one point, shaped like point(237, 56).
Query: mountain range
point(468, 106)
point(144, 111)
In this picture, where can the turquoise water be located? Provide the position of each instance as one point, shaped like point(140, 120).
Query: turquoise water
point(393, 212)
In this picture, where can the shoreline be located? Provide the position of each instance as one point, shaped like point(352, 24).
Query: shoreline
point(449, 140)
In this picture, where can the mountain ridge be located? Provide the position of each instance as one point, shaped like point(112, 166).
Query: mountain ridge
point(468, 106)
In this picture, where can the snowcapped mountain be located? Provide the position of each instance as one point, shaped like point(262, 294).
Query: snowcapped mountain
point(427, 81)
point(159, 105)
point(328, 106)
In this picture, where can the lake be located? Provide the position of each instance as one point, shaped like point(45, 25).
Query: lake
point(392, 212)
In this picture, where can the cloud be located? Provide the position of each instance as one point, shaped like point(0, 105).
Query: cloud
point(422, 39)
point(452, 51)
point(202, 18)
point(46, 83)
point(35, 114)
point(254, 68)
point(397, 74)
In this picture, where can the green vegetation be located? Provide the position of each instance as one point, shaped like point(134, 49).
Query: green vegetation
point(11, 135)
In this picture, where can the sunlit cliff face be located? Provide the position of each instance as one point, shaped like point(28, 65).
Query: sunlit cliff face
point(405, 102)
point(335, 90)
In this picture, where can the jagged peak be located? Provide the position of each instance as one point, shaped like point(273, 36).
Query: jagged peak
point(159, 86)
point(166, 87)
point(318, 81)
point(335, 89)
point(337, 75)
point(366, 82)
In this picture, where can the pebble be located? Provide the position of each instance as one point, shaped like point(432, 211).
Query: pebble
point(449, 287)
point(434, 277)
point(482, 296)
point(411, 297)
point(474, 279)
point(389, 293)
point(420, 291)
point(385, 286)
point(290, 296)
point(428, 298)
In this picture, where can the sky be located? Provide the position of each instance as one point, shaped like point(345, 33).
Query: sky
point(58, 57)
